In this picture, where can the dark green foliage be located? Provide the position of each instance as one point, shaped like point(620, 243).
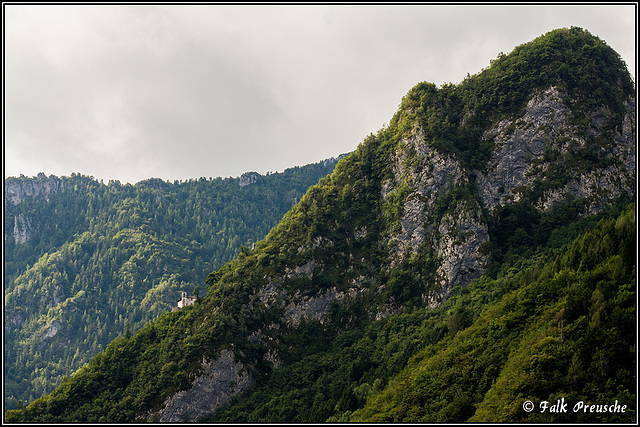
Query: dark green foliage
point(451, 363)
point(413, 277)
point(518, 228)
point(564, 328)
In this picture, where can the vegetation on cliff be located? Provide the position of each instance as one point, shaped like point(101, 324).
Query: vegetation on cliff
point(560, 323)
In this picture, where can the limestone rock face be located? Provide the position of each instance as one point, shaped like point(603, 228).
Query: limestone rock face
point(220, 380)
point(544, 140)
point(297, 306)
point(518, 143)
point(428, 176)
point(313, 308)
point(22, 229)
point(248, 178)
point(52, 330)
point(542, 151)
point(12, 318)
point(15, 190)
point(460, 236)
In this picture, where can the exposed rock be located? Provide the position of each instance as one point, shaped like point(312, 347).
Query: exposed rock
point(53, 296)
point(520, 147)
point(248, 178)
point(296, 306)
point(422, 175)
point(333, 160)
point(305, 270)
point(269, 294)
point(15, 190)
point(313, 308)
point(21, 229)
point(51, 330)
point(460, 235)
point(456, 237)
point(603, 185)
point(219, 381)
point(272, 357)
point(12, 318)
point(412, 234)
point(516, 144)
point(598, 187)
point(429, 174)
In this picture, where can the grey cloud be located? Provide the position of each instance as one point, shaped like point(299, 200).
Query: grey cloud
point(124, 92)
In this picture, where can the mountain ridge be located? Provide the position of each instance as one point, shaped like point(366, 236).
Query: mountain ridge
point(420, 210)
point(98, 259)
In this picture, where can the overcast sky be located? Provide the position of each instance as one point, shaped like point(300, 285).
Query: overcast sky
point(177, 92)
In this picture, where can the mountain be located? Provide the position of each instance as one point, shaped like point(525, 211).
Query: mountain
point(87, 261)
point(475, 255)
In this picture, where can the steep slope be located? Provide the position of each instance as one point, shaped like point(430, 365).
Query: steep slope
point(85, 262)
point(542, 330)
point(563, 330)
point(465, 179)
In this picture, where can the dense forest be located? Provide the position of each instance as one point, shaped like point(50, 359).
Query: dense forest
point(95, 261)
point(469, 262)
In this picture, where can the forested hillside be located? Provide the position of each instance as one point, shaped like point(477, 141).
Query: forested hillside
point(557, 323)
point(475, 257)
point(87, 261)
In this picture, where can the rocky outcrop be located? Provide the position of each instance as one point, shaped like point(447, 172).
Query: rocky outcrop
point(218, 382)
point(12, 318)
point(297, 305)
point(517, 144)
point(526, 149)
point(52, 330)
point(22, 229)
point(16, 189)
point(53, 296)
point(248, 178)
point(529, 152)
point(427, 176)
point(459, 237)
point(311, 308)
point(600, 186)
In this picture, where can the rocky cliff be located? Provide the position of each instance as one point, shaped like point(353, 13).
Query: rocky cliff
point(218, 381)
point(15, 191)
point(539, 156)
point(543, 140)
